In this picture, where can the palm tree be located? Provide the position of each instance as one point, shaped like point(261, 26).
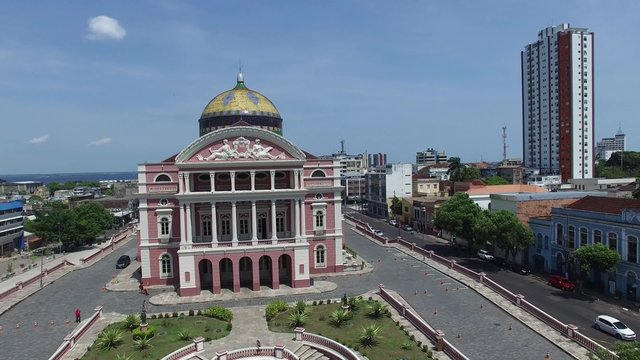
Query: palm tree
point(339, 317)
point(142, 343)
point(298, 318)
point(455, 171)
point(369, 335)
point(109, 339)
point(376, 310)
point(132, 321)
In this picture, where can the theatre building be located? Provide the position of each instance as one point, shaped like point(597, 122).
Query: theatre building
point(241, 206)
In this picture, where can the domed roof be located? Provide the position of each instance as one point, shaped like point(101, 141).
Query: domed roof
point(240, 101)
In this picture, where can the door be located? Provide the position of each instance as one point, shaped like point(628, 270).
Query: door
point(262, 228)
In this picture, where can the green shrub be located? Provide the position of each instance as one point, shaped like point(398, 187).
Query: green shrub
point(301, 306)
point(314, 303)
point(131, 321)
point(339, 317)
point(110, 339)
point(321, 302)
point(412, 337)
point(166, 316)
point(142, 343)
point(354, 304)
point(174, 314)
point(185, 334)
point(369, 335)
point(328, 301)
point(220, 313)
point(376, 310)
point(149, 333)
point(191, 313)
point(298, 318)
point(199, 313)
point(154, 316)
point(275, 308)
point(405, 346)
point(208, 338)
point(229, 326)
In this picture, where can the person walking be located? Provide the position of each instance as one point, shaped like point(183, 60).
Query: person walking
point(78, 315)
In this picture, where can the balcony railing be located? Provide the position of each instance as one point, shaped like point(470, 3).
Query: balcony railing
point(227, 244)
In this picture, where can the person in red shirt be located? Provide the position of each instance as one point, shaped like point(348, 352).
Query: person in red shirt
point(77, 315)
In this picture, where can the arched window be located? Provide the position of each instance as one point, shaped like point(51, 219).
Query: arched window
point(597, 237)
point(546, 242)
point(320, 256)
point(539, 241)
point(164, 226)
point(559, 234)
point(319, 219)
point(632, 249)
point(583, 237)
point(571, 237)
point(318, 173)
point(613, 241)
point(166, 268)
point(163, 178)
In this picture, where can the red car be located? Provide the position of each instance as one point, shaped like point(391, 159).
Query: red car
point(561, 282)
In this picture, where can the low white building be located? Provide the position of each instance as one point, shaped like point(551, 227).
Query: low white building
point(384, 183)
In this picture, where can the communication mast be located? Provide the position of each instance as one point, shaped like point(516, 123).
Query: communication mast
point(504, 143)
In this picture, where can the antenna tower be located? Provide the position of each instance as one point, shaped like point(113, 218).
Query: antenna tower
point(342, 146)
point(504, 143)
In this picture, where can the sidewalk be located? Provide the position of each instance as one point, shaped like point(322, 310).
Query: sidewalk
point(74, 259)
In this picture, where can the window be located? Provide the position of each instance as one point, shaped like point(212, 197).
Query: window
point(583, 237)
point(225, 227)
point(632, 249)
point(164, 226)
point(244, 226)
point(597, 237)
point(163, 178)
point(280, 224)
point(571, 237)
point(320, 256)
point(546, 242)
point(166, 269)
point(559, 234)
point(318, 173)
point(613, 241)
point(206, 225)
point(319, 217)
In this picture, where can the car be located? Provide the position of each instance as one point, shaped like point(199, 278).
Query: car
point(561, 282)
point(484, 255)
point(392, 222)
point(520, 269)
point(614, 327)
point(378, 232)
point(123, 262)
point(406, 227)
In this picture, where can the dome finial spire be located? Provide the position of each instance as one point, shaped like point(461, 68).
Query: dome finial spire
point(240, 76)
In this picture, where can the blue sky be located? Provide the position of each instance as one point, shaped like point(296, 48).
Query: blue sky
point(105, 85)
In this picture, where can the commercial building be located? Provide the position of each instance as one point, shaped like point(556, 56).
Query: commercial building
point(557, 103)
point(239, 207)
point(383, 184)
point(430, 157)
point(11, 227)
point(607, 146)
point(376, 160)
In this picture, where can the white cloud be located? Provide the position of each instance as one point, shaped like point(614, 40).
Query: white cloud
point(102, 141)
point(39, 139)
point(105, 28)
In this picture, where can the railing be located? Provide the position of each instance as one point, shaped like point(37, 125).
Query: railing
point(543, 316)
point(45, 272)
point(278, 352)
point(196, 347)
point(71, 339)
point(347, 353)
point(227, 244)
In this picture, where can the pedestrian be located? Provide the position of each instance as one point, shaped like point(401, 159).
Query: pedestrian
point(78, 315)
point(258, 346)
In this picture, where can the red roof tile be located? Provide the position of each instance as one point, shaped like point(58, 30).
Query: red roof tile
point(603, 204)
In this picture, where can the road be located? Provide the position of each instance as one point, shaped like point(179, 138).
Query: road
point(570, 308)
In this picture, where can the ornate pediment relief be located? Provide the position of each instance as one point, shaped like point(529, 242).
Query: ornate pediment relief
point(241, 148)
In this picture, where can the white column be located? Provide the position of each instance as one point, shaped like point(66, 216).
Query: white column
point(292, 218)
point(234, 226)
point(233, 181)
point(212, 180)
point(297, 211)
point(273, 220)
point(273, 179)
point(189, 224)
point(187, 182)
point(183, 223)
point(181, 183)
point(303, 219)
point(301, 179)
point(253, 180)
point(296, 179)
point(214, 223)
point(254, 223)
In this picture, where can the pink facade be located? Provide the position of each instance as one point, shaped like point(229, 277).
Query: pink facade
point(239, 207)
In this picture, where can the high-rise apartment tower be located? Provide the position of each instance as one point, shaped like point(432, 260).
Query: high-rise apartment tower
point(557, 103)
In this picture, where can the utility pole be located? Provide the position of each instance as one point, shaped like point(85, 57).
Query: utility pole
point(504, 144)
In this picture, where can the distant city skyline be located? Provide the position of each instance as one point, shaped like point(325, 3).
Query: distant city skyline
point(80, 82)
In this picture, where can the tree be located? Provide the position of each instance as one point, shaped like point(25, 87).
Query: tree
point(396, 206)
point(496, 180)
point(596, 257)
point(458, 215)
point(504, 230)
point(624, 350)
point(470, 173)
point(454, 171)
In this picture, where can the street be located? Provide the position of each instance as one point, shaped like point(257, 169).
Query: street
point(568, 307)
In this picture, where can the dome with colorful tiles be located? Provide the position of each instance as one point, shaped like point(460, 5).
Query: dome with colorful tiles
point(240, 106)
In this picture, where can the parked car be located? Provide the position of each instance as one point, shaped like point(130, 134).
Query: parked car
point(393, 222)
point(378, 232)
point(123, 262)
point(500, 262)
point(484, 255)
point(520, 269)
point(561, 282)
point(406, 227)
point(614, 327)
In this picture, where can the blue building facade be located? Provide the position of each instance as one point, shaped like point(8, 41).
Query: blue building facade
point(11, 227)
point(612, 222)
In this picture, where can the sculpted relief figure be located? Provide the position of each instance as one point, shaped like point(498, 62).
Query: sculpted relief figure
point(260, 152)
point(224, 152)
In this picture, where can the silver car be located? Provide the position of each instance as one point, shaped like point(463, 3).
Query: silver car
point(614, 327)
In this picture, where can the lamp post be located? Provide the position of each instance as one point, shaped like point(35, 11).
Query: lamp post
point(41, 266)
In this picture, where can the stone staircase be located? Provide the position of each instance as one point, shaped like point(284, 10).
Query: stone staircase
point(306, 352)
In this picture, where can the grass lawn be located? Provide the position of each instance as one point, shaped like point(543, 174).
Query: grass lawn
point(166, 339)
point(393, 342)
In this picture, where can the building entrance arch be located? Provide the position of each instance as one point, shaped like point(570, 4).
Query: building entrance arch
point(246, 272)
point(225, 269)
point(265, 270)
point(632, 286)
point(205, 272)
point(285, 270)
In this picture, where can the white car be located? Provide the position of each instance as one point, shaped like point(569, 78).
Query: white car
point(484, 255)
point(378, 232)
point(614, 327)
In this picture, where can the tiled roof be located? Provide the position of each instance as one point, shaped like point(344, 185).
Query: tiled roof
point(607, 205)
point(171, 159)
